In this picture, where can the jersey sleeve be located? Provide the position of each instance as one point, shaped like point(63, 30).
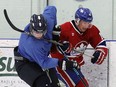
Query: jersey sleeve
point(95, 37)
point(99, 44)
point(51, 19)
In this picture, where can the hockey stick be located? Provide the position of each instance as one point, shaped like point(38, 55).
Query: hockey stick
point(83, 53)
point(74, 69)
point(22, 31)
point(12, 25)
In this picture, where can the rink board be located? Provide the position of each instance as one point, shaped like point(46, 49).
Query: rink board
point(97, 75)
point(8, 75)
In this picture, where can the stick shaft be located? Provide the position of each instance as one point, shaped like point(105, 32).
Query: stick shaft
point(10, 23)
point(22, 31)
point(74, 69)
point(83, 53)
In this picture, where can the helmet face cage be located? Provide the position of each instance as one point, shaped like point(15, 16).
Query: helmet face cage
point(84, 14)
point(38, 23)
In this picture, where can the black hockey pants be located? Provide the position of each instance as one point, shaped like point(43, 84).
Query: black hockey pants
point(33, 74)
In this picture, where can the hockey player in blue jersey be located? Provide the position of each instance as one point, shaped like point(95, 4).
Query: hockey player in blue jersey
point(31, 55)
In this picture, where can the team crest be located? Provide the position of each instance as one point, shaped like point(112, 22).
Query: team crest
point(78, 49)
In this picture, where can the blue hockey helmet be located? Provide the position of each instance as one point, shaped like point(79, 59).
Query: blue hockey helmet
point(38, 23)
point(84, 14)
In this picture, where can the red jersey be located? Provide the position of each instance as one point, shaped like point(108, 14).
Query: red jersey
point(77, 40)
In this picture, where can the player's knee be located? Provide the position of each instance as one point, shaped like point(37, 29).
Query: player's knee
point(42, 81)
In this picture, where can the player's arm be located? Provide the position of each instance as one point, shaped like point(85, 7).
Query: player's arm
point(100, 53)
point(61, 32)
point(99, 44)
point(56, 33)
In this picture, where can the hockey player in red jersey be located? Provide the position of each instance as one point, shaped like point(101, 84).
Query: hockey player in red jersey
point(79, 33)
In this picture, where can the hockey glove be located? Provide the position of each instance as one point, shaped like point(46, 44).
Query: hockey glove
point(66, 47)
point(99, 56)
point(67, 64)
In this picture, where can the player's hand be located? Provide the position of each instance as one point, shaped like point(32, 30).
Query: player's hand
point(67, 64)
point(99, 57)
point(66, 46)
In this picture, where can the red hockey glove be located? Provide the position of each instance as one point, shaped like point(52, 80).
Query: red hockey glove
point(67, 64)
point(99, 56)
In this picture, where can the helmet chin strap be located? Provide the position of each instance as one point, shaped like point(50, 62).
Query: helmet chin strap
point(44, 32)
point(77, 21)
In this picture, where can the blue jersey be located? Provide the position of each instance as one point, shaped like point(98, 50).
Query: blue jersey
point(37, 50)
